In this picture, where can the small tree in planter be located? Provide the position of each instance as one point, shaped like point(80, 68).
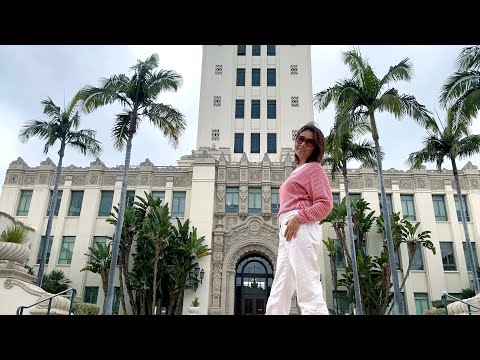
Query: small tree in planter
point(195, 308)
point(12, 244)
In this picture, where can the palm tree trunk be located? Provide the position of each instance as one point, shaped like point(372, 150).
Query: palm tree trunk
point(356, 281)
point(386, 217)
point(122, 295)
point(411, 254)
point(118, 229)
point(341, 237)
point(131, 298)
point(155, 268)
point(476, 285)
point(53, 202)
point(104, 276)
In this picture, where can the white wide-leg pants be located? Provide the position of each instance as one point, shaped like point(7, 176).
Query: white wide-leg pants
point(297, 269)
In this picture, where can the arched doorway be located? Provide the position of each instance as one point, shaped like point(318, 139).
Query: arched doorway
point(253, 280)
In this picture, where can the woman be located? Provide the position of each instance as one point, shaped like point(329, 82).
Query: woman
point(305, 200)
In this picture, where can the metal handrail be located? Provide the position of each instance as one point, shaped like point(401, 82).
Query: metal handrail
point(74, 294)
point(469, 306)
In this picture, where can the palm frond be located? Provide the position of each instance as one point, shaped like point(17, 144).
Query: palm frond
point(110, 90)
point(323, 98)
point(37, 128)
point(84, 140)
point(402, 71)
point(51, 109)
point(169, 120)
point(469, 146)
point(148, 65)
point(120, 130)
point(163, 80)
point(416, 111)
point(353, 59)
point(457, 85)
point(469, 58)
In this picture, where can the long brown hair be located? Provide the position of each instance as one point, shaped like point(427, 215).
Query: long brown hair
point(318, 138)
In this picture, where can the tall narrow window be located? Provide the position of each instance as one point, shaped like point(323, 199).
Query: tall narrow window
point(271, 143)
point(255, 77)
point(255, 143)
point(239, 109)
point(241, 50)
point(24, 203)
point(271, 109)
point(271, 77)
point(106, 201)
point(240, 77)
point(238, 146)
point(255, 113)
point(76, 200)
point(178, 206)
point(271, 50)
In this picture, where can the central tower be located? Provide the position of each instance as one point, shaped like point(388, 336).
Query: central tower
point(253, 98)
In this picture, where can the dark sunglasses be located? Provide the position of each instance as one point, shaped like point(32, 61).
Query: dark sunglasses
point(302, 139)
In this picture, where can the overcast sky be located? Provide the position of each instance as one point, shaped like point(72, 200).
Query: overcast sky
point(29, 74)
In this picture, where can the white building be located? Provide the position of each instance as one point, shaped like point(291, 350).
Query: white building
point(252, 99)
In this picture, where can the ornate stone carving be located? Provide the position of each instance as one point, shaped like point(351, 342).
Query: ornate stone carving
point(93, 180)
point(147, 162)
point(470, 166)
point(462, 184)
point(29, 179)
point(144, 179)
point(437, 184)
point(180, 180)
point(421, 183)
point(220, 192)
point(97, 162)
point(243, 175)
point(132, 180)
point(109, 180)
point(355, 183)
point(406, 184)
point(79, 180)
point(48, 161)
point(266, 193)
point(388, 183)
point(13, 178)
point(232, 175)
point(255, 175)
point(474, 184)
point(278, 175)
point(18, 164)
point(221, 174)
point(370, 182)
point(334, 183)
point(243, 192)
point(8, 283)
point(159, 180)
point(244, 158)
point(243, 214)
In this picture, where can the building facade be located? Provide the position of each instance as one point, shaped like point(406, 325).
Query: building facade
point(253, 98)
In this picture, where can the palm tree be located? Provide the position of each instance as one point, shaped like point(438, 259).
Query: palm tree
point(453, 140)
point(363, 95)
point(137, 95)
point(63, 127)
point(341, 148)
point(55, 282)
point(461, 91)
point(99, 262)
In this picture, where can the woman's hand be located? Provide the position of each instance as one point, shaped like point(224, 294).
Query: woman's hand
point(292, 227)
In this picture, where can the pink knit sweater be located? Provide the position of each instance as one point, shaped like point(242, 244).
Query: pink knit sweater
point(308, 191)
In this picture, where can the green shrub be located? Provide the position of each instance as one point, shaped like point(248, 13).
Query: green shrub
point(82, 308)
point(434, 312)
